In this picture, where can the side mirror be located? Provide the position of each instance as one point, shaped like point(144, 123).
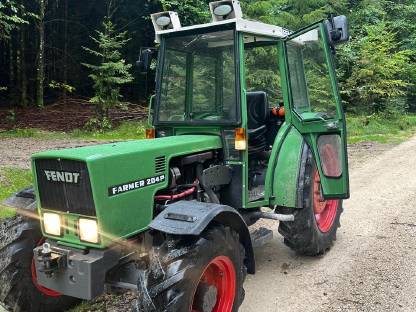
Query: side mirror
point(145, 60)
point(338, 29)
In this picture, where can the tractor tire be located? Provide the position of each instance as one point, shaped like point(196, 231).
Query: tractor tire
point(314, 229)
point(19, 290)
point(204, 274)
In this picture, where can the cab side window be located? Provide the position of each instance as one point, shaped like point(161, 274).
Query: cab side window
point(309, 75)
point(262, 71)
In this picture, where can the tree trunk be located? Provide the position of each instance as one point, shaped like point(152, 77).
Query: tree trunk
point(11, 86)
point(40, 68)
point(65, 50)
point(23, 77)
point(18, 62)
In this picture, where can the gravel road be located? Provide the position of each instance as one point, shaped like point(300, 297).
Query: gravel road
point(17, 152)
point(372, 266)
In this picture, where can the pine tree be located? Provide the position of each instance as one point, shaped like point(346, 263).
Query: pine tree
point(111, 73)
point(378, 74)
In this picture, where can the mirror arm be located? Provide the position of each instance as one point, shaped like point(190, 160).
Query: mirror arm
point(145, 59)
point(150, 112)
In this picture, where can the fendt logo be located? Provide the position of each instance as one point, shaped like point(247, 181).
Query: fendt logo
point(62, 176)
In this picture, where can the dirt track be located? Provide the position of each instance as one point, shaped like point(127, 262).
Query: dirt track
point(372, 266)
point(17, 152)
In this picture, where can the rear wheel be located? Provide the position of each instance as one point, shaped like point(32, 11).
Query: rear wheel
point(19, 288)
point(203, 274)
point(315, 226)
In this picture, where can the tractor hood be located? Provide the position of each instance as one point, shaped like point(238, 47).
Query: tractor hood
point(113, 183)
point(169, 146)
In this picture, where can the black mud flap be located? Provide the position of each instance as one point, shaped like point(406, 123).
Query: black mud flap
point(24, 199)
point(192, 217)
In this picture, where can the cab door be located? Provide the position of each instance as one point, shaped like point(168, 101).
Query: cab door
point(315, 105)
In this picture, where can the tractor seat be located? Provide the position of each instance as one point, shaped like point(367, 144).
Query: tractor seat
point(257, 113)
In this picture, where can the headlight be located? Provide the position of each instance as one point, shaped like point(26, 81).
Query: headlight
point(88, 230)
point(52, 223)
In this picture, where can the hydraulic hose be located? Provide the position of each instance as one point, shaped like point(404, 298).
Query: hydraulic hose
point(176, 196)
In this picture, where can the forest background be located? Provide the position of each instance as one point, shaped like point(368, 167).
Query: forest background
point(46, 44)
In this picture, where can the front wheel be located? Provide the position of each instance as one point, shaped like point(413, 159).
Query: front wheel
point(187, 274)
point(314, 229)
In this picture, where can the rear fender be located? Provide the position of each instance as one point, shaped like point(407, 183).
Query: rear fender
point(192, 217)
point(285, 184)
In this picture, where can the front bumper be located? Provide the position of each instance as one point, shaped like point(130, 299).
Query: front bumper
point(73, 272)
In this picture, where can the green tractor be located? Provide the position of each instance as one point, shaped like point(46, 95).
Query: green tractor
point(246, 124)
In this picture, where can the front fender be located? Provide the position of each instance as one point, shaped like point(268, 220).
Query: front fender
point(24, 199)
point(192, 217)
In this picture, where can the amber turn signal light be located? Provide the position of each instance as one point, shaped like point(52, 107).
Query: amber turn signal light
point(240, 139)
point(278, 111)
point(150, 133)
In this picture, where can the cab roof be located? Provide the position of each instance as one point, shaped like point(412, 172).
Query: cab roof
point(243, 25)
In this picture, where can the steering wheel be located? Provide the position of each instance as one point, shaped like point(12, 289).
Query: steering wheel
point(176, 117)
point(201, 115)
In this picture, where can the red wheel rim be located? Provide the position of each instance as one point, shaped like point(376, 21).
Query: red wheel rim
point(43, 290)
point(219, 273)
point(325, 210)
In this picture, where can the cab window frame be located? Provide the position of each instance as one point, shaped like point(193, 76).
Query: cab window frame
point(159, 77)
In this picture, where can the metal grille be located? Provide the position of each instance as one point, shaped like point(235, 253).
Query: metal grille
point(59, 195)
point(160, 164)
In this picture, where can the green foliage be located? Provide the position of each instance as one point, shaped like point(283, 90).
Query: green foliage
point(111, 73)
point(11, 16)
point(96, 124)
point(61, 86)
point(31, 133)
point(292, 14)
point(11, 116)
point(191, 12)
point(125, 131)
point(366, 84)
point(382, 128)
point(379, 70)
point(262, 72)
point(6, 212)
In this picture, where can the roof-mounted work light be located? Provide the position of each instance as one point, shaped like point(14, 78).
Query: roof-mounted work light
point(165, 20)
point(225, 9)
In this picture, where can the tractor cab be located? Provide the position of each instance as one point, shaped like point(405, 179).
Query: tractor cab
point(252, 83)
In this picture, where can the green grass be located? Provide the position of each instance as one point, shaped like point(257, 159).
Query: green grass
point(381, 128)
point(32, 133)
point(11, 181)
point(126, 131)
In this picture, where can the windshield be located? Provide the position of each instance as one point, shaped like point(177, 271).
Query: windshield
point(198, 79)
